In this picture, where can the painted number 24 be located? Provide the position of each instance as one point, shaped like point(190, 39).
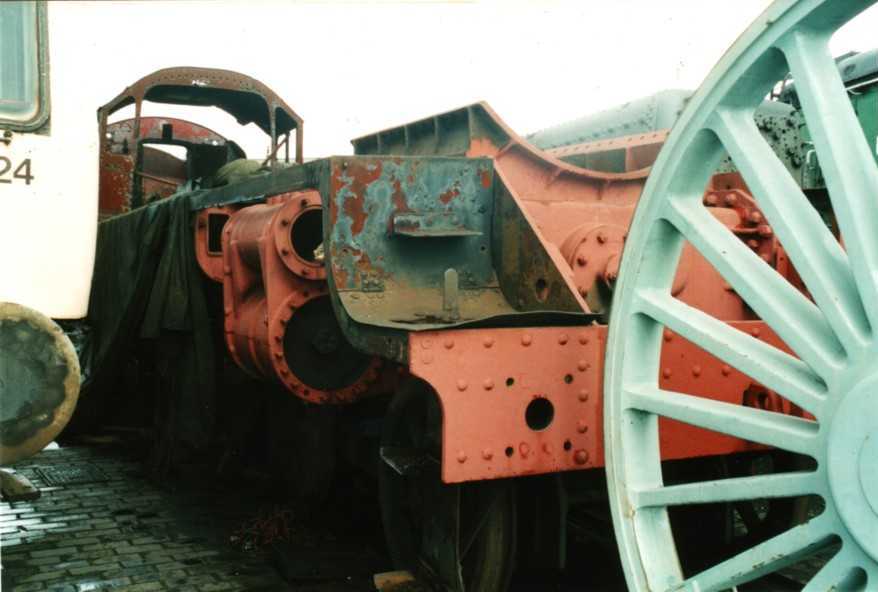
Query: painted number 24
point(22, 171)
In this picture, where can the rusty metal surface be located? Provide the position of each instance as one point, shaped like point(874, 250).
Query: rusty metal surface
point(420, 243)
point(120, 136)
point(186, 85)
point(158, 174)
point(571, 208)
point(582, 217)
point(389, 260)
point(485, 380)
point(269, 283)
point(114, 181)
point(243, 97)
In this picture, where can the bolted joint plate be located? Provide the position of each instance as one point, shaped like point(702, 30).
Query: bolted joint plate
point(487, 381)
point(514, 401)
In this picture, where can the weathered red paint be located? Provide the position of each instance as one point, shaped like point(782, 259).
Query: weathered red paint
point(447, 196)
point(265, 282)
point(582, 216)
point(160, 177)
point(361, 176)
point(486, 378)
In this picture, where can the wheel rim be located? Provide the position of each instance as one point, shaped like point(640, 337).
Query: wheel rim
point(834, 334)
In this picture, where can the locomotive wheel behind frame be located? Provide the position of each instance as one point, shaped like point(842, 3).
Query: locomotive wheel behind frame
point(463, 535)
point(833, 375)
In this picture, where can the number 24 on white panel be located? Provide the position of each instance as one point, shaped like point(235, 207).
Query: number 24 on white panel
point(18, 173)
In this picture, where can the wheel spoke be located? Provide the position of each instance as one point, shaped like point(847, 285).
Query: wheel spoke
point(756, 425)
point(786, 310)
point(837, 571)
point(776, 553)
point(819, 258)
point(728, 490)
point(761, 361)
point(844, 156)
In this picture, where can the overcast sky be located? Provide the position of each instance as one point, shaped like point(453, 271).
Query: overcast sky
point(354, 68)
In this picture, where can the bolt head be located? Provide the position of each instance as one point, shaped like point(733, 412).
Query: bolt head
point(462, 385)
point(580, 457)
point(526, 339)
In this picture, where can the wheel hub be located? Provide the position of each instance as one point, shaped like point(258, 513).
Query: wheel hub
point(868, 474)
point(852, 463)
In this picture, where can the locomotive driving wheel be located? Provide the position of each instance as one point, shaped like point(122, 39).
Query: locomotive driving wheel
point(462, 535)
point(833, 333)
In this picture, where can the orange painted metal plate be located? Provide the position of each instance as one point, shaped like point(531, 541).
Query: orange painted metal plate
point(688, 369)
point(486, 380)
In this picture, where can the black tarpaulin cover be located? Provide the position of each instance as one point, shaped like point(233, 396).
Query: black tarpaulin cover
point(147, 286)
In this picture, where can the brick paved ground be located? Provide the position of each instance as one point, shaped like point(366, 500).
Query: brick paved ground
point(127, 533)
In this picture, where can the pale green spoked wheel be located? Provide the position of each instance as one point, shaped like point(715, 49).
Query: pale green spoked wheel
point(834, 334)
